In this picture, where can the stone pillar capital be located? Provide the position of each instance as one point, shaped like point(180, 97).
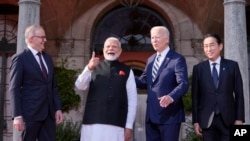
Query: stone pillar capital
point(234, 1)
point(29, 1)
point(29, 13)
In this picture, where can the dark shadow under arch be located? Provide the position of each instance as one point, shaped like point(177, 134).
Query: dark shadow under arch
point(131, 26)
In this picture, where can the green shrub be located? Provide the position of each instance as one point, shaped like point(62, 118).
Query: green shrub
point(189, 132)
point(187, 98)
point(191, 136)
point(68, 131)
point(66, 83)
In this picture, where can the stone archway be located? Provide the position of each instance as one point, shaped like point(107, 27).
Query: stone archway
point(82, 30)
point(185, 31)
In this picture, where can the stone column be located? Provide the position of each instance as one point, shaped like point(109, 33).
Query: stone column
point(235, 42)
point(29, 13)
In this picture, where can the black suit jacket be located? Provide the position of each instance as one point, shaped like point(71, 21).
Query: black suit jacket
point(32, 95)
point(228, 95)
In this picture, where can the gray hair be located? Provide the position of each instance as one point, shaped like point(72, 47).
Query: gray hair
point(162, 28)
point(114, 38)
point(30, 31)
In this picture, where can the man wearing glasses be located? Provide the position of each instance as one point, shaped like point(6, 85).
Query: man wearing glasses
point(36, 106)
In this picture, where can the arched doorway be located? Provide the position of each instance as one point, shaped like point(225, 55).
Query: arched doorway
point(131, 26)
point(8, 39)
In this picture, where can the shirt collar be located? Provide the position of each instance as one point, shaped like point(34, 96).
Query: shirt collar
point(217, 61)
point(164, 52)
point(34, 52)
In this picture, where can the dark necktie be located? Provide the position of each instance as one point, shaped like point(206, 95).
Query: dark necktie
point(215, 75)
point(156, 66)
point(216, 79)
point(42, 65)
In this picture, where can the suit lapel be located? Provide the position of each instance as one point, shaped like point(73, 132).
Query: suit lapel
point(33, 62)
point(48, 64)
point(165, 62)
point(223, 68)
point(150, 66)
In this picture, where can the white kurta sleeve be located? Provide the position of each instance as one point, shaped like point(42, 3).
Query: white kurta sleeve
point(83, 80)
point(132, 100)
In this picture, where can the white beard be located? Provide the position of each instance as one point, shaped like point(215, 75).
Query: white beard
point(111, 57)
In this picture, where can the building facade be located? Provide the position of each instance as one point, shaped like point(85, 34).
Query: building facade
point(75, 28)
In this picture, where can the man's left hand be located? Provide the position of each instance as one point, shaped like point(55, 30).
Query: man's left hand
point(59, 117)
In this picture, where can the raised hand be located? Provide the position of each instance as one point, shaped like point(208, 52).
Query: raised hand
point(93, 62)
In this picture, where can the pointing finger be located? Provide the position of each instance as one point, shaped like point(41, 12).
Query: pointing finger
point(93, 54)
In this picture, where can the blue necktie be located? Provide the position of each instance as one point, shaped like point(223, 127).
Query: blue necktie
point(215, 75)
point(156, 66)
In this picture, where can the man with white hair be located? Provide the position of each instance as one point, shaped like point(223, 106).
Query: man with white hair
point(34, 95)
point(166, 79)
point(112, 97)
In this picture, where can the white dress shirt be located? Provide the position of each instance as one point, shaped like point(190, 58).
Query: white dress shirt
point(217, 66)
point(163, 55)
point(34, 52)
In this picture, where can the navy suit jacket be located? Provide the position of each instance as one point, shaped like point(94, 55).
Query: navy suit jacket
point(228, 95)
point(32, 95)
point(172, 80)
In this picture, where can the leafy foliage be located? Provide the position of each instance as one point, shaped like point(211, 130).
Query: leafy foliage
point(65, 81)
point(187, 98)
point(190, 134)
point(68, 131)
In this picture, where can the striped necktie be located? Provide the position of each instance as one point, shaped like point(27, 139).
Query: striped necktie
point(156, 66)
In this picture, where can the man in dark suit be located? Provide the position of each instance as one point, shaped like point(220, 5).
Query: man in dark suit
point(166, 80)
point(34, 93)
point(217, 93)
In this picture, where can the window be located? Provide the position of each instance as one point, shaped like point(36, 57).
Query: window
point(130, 25)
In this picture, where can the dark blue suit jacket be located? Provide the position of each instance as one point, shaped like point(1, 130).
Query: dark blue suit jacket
point(172, 80)
point(32, 95)
point(228, 95)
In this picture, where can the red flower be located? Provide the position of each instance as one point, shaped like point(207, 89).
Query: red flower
point(121, 73)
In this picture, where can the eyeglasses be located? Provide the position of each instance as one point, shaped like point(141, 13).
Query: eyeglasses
point(212, 46)
point(41, 37)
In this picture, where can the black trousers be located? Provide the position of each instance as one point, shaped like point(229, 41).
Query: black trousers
point(218, 131)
